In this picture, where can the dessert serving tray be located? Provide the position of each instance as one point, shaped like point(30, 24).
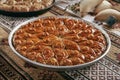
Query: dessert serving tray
point(20, 11)
point(53, 67)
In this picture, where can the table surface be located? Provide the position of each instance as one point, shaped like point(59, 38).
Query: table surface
point(107, 68)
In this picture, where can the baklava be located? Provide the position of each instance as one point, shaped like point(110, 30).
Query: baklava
point(59, 41)
point(24, 5)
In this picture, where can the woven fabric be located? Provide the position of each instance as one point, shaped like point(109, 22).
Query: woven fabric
point(12, 67)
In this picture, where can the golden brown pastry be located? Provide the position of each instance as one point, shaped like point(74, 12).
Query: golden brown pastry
point(53, 41)
point(24, 5)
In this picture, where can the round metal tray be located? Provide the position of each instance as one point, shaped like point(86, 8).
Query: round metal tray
point(27, 14)
point(58, 68)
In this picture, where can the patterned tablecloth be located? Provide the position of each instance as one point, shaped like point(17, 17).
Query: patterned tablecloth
point(13, 68)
